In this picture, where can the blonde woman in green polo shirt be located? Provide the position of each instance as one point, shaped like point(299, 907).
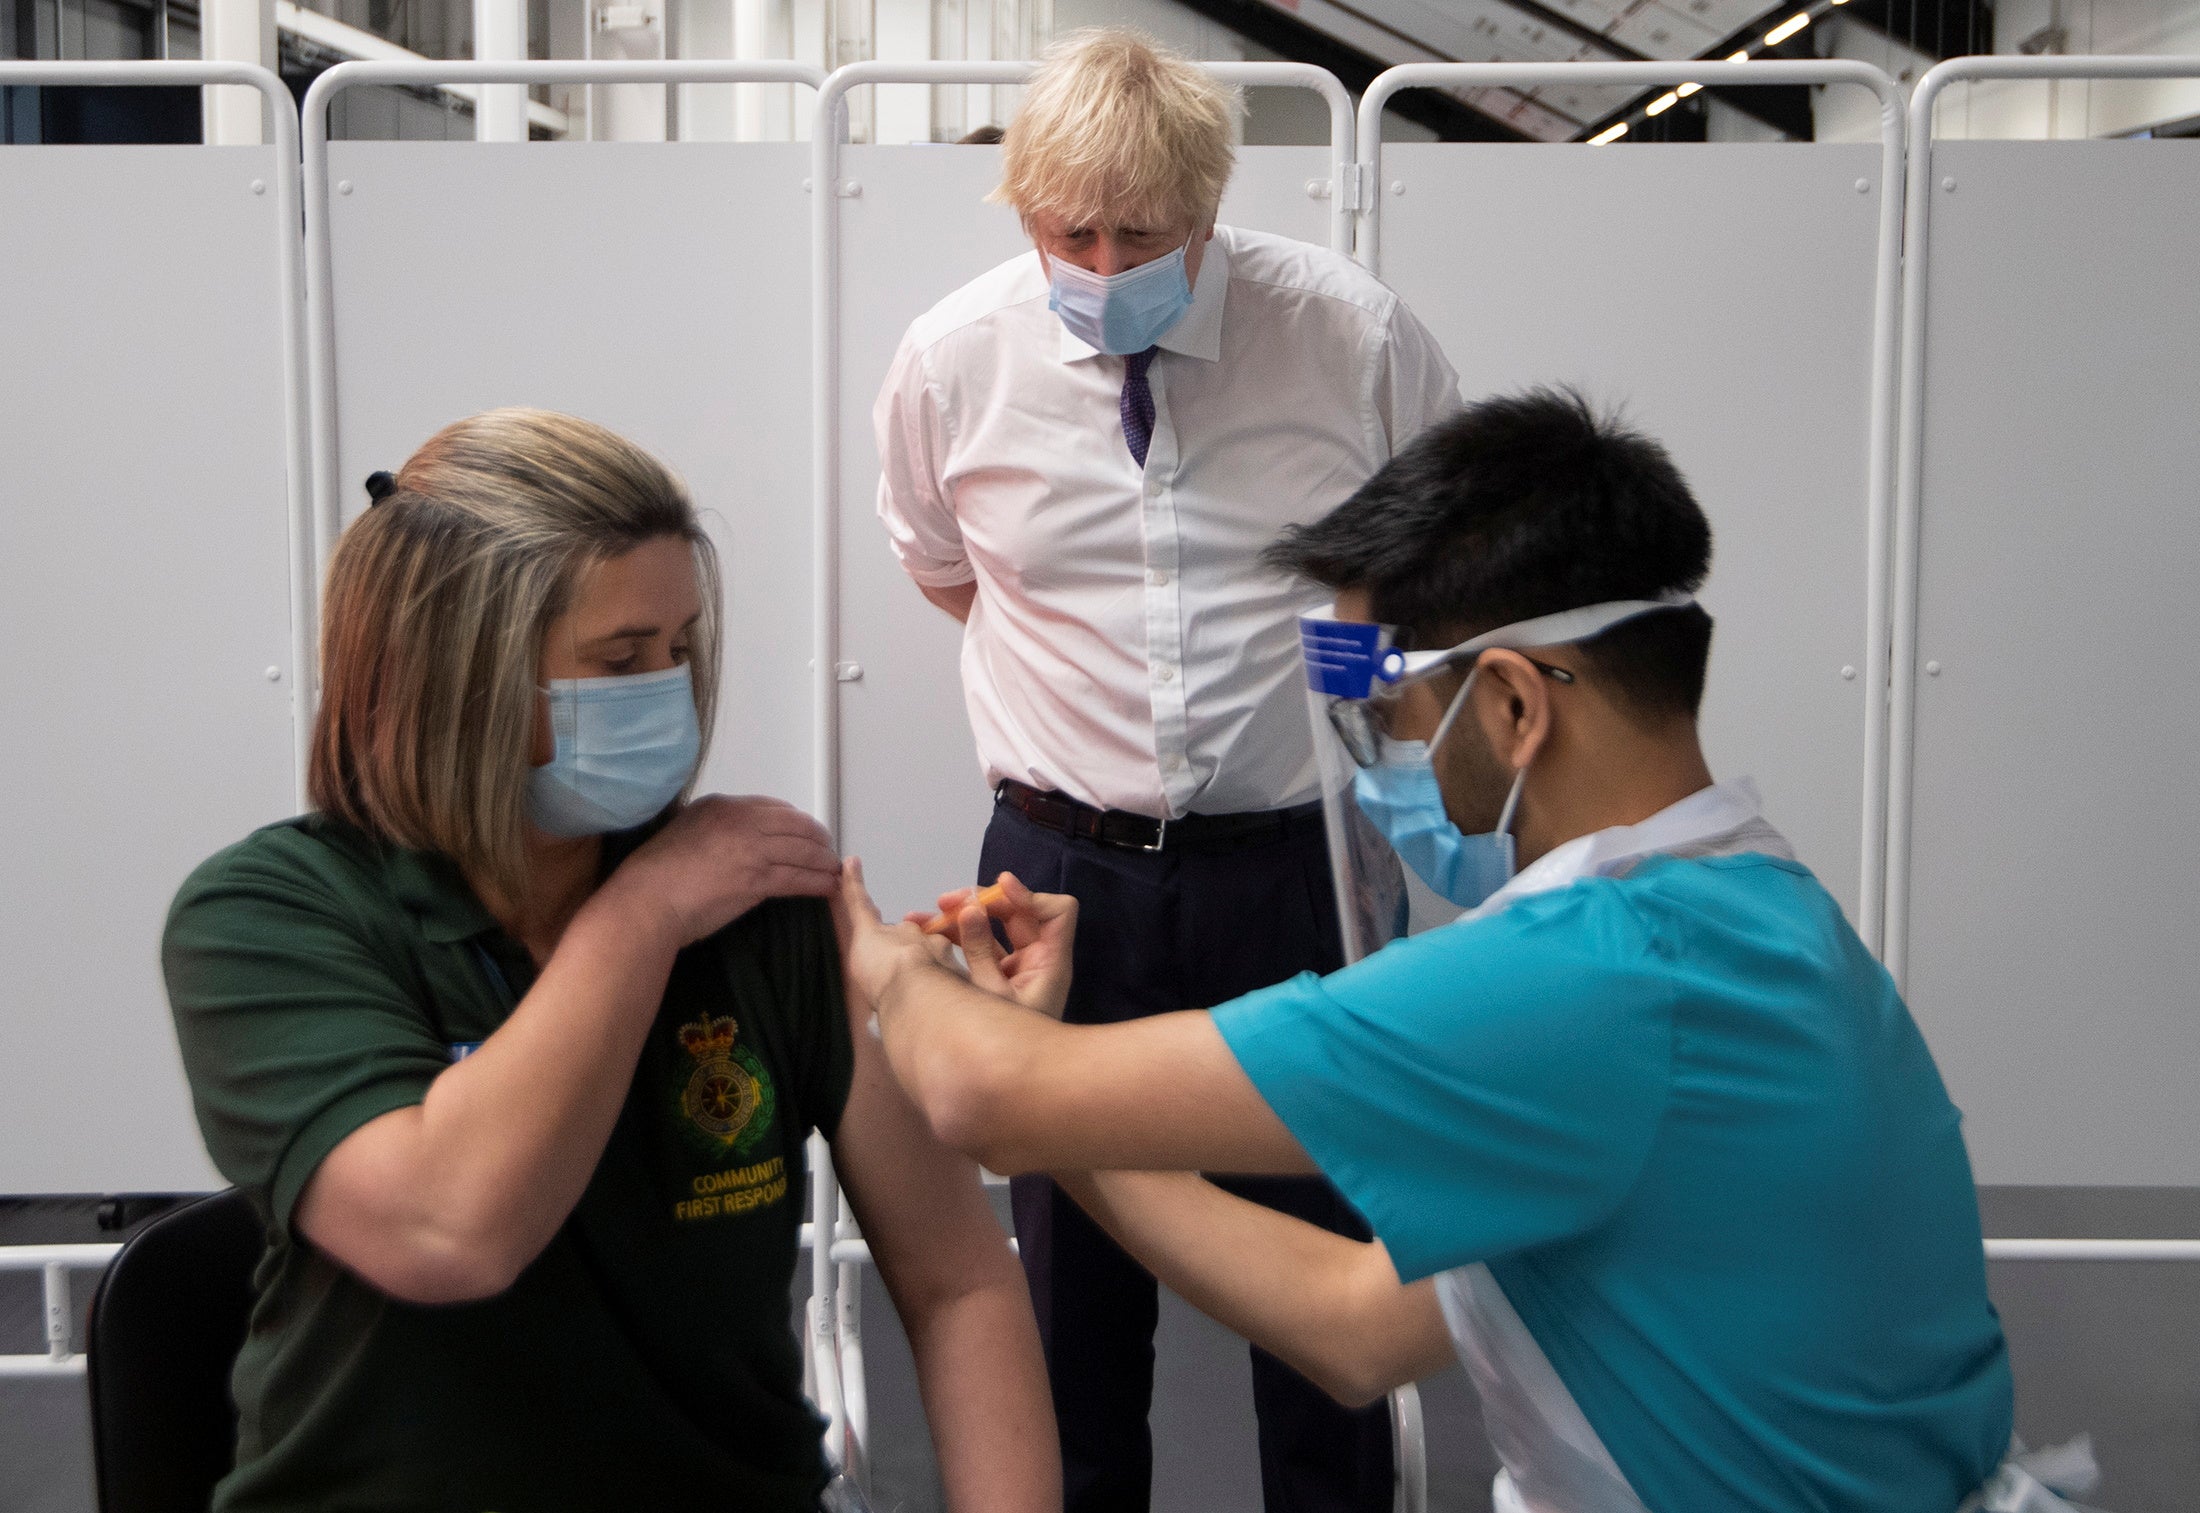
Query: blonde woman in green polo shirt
point(517, 1053)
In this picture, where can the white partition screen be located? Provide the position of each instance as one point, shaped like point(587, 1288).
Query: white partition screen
point(2054, 925)
point(1721, 296)
point(144, 591)
point(913, 801)
point(660, 290)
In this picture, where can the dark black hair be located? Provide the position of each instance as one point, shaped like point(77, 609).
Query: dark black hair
point(1525, 505)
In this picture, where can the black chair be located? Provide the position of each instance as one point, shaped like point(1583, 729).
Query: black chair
point(167, 1322)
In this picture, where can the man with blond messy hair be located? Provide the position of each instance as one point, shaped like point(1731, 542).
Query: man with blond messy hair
point(1084, 453)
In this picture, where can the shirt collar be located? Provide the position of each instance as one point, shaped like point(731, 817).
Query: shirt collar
point(1694, 824)
point(1199, 333)
point(433, 889)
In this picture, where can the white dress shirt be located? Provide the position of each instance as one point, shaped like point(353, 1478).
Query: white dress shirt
point(1126, 647)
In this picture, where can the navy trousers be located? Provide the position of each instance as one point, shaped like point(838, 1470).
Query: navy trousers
point(1158, 932)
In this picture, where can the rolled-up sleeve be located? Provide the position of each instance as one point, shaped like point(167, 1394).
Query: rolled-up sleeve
point(1415, 384)
point(912, 499)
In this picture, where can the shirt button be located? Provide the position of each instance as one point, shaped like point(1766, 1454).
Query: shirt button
point(1166, 674)
point(1158, 578)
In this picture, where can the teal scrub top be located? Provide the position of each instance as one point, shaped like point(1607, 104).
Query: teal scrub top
point(1688, 1122)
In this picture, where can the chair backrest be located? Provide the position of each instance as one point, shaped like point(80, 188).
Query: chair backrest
point(167, 1322)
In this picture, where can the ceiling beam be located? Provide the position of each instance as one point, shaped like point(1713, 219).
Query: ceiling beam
point(1936, 28)
point(1784, 107)
point(1452, 119)
point(1774, 114)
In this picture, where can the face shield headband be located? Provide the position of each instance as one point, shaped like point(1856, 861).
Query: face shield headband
point(1352, 667)
point(1381, 802)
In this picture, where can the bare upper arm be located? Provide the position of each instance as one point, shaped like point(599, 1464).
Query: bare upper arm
point(922, 1207)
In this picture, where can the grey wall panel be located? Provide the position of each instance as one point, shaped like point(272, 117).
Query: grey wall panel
point(144, 593)
point(913, 800)
point(661, 291)
point(2055, 959)
point(1722, 295)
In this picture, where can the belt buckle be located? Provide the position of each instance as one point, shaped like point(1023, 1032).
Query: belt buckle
point(1160, 835)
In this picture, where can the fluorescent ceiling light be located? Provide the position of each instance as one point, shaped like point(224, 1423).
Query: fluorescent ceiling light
point(1687, 89)
point(1609, 134)
point(1787, 28)
point(1740, 57)
point(1661, 104)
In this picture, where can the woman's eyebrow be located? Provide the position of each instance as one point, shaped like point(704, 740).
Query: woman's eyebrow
point(640, 632)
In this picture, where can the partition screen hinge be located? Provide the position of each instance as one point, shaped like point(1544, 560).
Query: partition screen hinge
point(1355, 185)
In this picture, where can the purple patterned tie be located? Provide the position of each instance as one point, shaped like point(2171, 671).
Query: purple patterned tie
point(1137, 403)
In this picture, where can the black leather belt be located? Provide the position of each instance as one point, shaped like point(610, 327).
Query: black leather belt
point(1142, 832)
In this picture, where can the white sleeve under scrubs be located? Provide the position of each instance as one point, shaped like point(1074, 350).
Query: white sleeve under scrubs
point(1689, 1125)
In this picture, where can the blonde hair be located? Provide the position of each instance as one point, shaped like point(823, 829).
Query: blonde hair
point(439, 598)
point(1116, 129)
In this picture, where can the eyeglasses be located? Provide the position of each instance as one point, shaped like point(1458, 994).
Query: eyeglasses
point(1364, 724)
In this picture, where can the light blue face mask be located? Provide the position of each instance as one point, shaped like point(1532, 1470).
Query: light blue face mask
point(1400, 795)
point(1121, 313)
point(626, 746)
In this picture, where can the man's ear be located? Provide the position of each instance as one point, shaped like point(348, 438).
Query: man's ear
point(1513, 704)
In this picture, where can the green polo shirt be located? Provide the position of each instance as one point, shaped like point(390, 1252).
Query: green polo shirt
point(645, 1358)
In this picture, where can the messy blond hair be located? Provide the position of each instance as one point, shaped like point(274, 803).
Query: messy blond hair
point(1117, 130)
point(438, 600)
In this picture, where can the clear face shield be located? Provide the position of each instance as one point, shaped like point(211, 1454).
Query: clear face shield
point(1397, 861)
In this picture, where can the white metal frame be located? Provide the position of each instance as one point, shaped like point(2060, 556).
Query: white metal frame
point(826, 131)
point(304, 574)
point(328, 496)
point(836, 1297)
point(825, 1367)
point(1909, 524)
point(1885, 354)
point(1908, 517)
point(55, 1262)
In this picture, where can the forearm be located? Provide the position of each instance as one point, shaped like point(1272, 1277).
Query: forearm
point(985, 1395)
point(452, 1198)
point(521, 1123)
point(1330, 1307)
point(1021, 1092)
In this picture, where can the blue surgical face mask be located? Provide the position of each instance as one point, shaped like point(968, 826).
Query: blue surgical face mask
point(626, 746)
point(1121, 313)
point(1402, 798)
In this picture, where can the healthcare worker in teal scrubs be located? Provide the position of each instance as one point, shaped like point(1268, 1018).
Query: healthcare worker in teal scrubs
point(1647, 1138)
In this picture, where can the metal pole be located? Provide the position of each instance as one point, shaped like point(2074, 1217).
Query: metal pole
point(57, 1311)
point(2093, 1250)
point(1909, 502)
point(500, 36)
point(1343, 186)
point(230, 31)
point(1887, 357)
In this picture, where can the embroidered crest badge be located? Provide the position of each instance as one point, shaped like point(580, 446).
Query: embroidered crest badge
point(727, 1099)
